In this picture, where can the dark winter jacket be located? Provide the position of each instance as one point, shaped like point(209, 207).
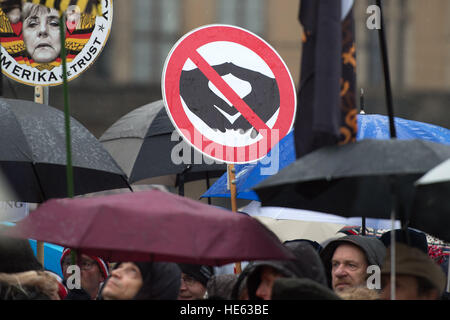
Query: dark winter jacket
point(301, 289)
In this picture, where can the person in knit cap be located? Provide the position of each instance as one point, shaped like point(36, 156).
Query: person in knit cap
point(194, 280)
point(142, 281)
point(417, 276)
point(94, 272)
point(263, 274)
point(346, 260)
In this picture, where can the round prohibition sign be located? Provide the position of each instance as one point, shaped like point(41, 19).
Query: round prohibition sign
point(187, 48)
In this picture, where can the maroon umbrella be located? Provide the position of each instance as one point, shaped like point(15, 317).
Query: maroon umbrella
point(151, 226)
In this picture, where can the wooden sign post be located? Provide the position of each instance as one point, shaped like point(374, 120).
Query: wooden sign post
point(232, 178)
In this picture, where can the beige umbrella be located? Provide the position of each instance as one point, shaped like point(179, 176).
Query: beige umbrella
point(287, 229)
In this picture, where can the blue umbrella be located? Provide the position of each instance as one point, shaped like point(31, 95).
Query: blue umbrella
point(375, 126)
point(370, 126)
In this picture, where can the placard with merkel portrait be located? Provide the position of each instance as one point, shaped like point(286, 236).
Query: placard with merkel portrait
point(31, 43)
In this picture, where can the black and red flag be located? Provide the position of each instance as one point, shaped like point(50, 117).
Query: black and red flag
point(326, 111)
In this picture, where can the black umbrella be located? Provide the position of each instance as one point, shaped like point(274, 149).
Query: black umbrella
point(367, 178)
point(33, 154)
point(145, 144)
point(431, 206)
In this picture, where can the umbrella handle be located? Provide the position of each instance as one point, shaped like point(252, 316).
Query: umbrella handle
point(39, 98)
point(208, 186)
point(40, 252)
point(387, 77)
point(232, 178)
point(448, 277)
point(393, 247)
point(181, 184)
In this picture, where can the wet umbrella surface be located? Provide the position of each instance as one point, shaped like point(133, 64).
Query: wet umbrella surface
point(370, 126)
point(151, 226)
point(33, 154)
point(144, 144)
point(358, 179)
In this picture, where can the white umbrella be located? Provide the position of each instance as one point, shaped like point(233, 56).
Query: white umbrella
point(439, 177)
point(254, 209)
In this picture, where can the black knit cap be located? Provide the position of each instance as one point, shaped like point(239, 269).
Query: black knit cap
point(201, 273)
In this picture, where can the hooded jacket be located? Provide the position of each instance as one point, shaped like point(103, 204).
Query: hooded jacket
point(306, 265)
point(241, 282)
point(219, 287)
point(373, 249)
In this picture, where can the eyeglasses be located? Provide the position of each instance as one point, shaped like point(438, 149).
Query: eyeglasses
point(188, 280)
point(84, 264)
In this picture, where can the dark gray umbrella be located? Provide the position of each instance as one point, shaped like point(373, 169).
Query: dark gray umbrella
point(144, 141)
point(33, 154)
point(431, 206)
point(367, 178)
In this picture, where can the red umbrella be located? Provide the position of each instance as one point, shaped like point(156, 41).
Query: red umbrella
point(151, 226)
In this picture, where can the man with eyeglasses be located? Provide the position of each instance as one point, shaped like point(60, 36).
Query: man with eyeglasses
point(93, 272)
point(194, 279)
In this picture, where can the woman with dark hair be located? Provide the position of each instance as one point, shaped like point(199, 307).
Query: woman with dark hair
point(142, 281)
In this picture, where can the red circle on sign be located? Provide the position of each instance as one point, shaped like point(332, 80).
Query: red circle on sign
point(186, 48)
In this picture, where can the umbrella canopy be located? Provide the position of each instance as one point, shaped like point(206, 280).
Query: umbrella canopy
point(370, 126)
point(151, 226)
point(144, 143)
point(33, 154)
point(357, 179)
point(431, 206)
point(288, 230)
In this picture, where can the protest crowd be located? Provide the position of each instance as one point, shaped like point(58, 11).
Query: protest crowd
point(333, 270)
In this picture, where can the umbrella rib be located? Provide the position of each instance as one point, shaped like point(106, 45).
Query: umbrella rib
point(41, 188)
